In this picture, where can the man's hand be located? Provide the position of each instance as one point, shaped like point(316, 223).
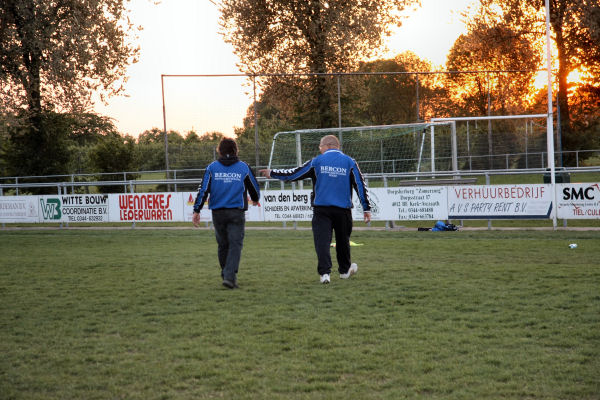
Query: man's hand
point(265, 172)
point(367, 216)
point(196, 219)
point(255, 203)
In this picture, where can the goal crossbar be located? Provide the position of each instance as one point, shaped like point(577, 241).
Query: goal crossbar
point(339, 132)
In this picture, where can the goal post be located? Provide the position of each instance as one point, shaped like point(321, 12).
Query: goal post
point(381, 149)
point(455, 144)
point(500, 142)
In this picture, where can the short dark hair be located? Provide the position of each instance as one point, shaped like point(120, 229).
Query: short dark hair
point(227, 147)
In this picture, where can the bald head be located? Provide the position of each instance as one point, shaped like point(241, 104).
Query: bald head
point(329, 142)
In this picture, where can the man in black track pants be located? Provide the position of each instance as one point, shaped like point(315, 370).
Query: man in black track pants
point(334, 175)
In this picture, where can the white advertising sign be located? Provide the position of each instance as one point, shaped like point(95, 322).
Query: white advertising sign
point(74, 208)
point(578, 200)
point(357, 210)
point(253, 214)
point(146, 207)
point(415, 203)
point(500, 202)
point(188, 208)
point(286, 205)
point(530, 201)
point(295, 205)
point(19, 209)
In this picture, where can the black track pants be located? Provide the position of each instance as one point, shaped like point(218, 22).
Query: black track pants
point(324, 221)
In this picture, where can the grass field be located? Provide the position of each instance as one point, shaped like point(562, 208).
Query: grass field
point(141, 314)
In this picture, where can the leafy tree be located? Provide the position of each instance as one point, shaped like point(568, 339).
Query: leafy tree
point(191, 151)
point(85, 130)
point(365, 99)
point(112, 154)
point(282, 105)
point(511, 61)
point(153, 135)
point(584, 107)
point(392, 99)
point(44, 153)
point(310, 36)
point(150, 150)
point(192, 137)
point(55, 54)
point(387, 95)
point(88, 128)
point(575, 32)
point(492, 48)
point(60, 147)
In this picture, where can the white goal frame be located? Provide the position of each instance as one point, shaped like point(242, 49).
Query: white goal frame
point(340, 133)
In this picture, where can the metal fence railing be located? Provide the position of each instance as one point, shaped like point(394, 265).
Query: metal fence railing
point(69, 185)
point(188, 179)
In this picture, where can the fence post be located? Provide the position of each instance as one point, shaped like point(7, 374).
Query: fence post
point(381, 156)
point(132, 192)
point(454, 147)
point(339, 99)
point(2, 194)
point(59, 193)
point(367, 183)
point(432, 149)
point(417, 95)
point(257, 160)
point(469, 149)
point(66, 192)
point(388, 224)
point(293, 189)
point(542, 159)
point(282, 188)
point(487, 182)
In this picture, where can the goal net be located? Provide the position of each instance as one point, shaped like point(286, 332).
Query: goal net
point(500, 142)
point(387, 149)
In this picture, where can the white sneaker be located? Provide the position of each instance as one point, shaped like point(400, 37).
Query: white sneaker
point(353, 269)
point(325, 278)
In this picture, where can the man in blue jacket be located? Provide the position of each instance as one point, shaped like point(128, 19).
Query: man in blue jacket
point(334, 175)
point(229, 181)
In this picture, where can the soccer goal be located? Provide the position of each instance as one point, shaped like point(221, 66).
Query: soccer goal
point(384, 149)
point(500, 142)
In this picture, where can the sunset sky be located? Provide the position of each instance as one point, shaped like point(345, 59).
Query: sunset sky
point(181, 37)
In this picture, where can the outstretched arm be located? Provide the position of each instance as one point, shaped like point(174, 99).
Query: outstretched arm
point(292, 174)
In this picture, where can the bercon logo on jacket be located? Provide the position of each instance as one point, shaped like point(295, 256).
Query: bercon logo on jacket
point(333, 171)
point(334, 175)
point(228, 176)
point(229, 181)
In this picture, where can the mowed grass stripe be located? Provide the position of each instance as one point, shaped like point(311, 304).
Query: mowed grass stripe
point(141, 314)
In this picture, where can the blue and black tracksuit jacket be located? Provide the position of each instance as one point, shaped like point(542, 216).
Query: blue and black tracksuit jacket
point(334, 175)
point(229, 182)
